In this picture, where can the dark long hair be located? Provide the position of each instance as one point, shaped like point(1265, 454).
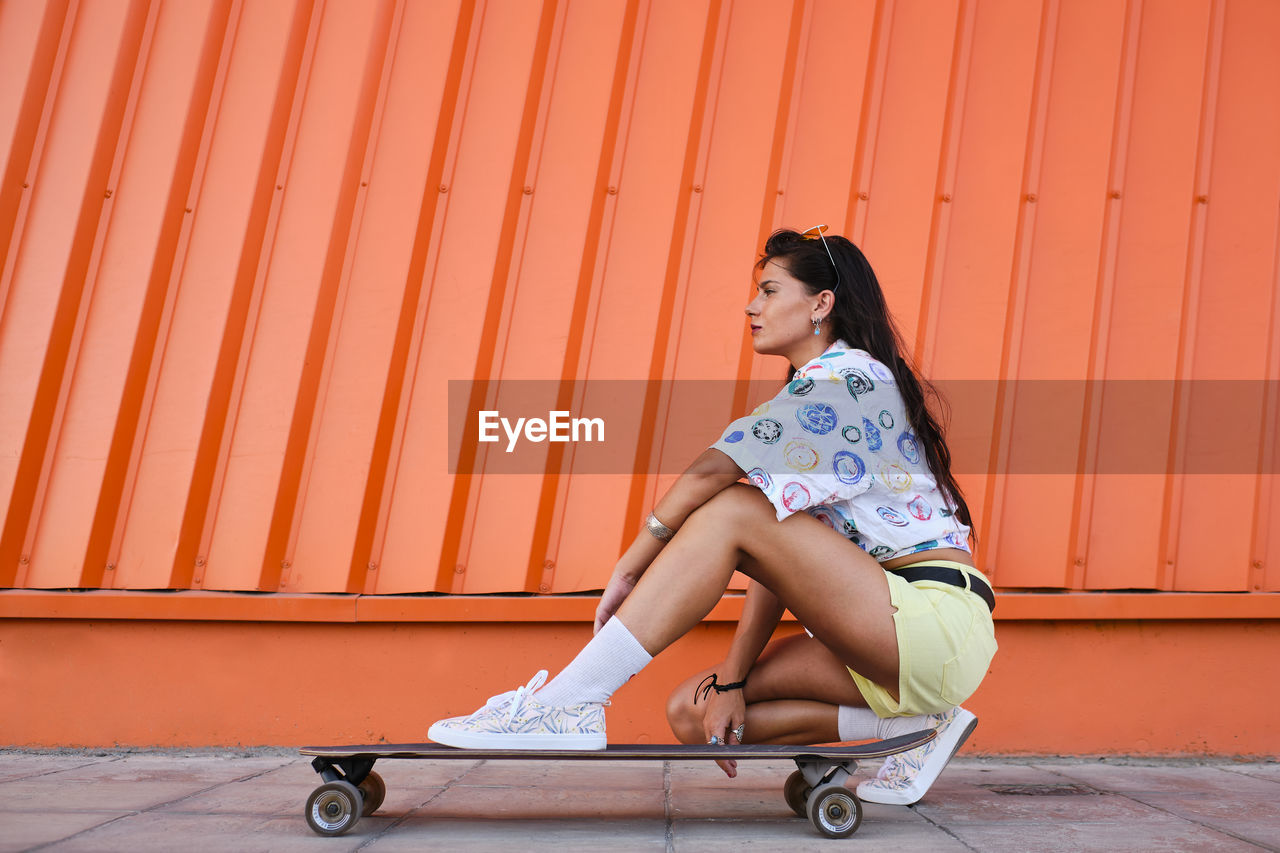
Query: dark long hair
point(861, 317)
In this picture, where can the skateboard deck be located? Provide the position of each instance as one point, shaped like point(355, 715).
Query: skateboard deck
point(814, 790)
point(629, 751)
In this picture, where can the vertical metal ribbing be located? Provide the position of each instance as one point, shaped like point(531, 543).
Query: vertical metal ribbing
point(1100, 334)
point(944, 188)
point(195, 530)
point(546, 77)
point(864, 158)
point(785, 120)
point(461, 515)
point(551, 502)
point(14, 560)
point(241, 334)
point(1166, 563)
point(684, 227)
point(1264, 536)
point(1019, 285)
point(162, 291)
point(326, 325)
point(30, 133)
point(278, 562)
point(406, 352)
point(788, 119)
point(183, 570)
point(91, 235)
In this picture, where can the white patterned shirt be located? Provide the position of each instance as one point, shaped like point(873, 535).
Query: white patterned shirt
point(836, 443)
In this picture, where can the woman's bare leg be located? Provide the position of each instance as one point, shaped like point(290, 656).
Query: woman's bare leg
point(792, 694)
point(834, 588)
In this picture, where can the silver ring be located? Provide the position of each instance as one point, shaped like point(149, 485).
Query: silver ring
point(715, 740)
point(740, 731)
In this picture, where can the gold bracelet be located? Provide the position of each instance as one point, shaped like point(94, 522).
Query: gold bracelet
point(658, 529)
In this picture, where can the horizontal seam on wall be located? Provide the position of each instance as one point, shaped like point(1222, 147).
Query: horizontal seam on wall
point(203, 606)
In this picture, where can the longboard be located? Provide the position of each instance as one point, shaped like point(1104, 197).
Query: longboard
point(814, 790)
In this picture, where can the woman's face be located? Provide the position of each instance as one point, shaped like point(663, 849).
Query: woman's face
point(782, 315)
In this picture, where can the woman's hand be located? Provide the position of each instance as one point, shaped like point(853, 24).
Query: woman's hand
point(615, 593)
point(626, 574)
point(723, 713)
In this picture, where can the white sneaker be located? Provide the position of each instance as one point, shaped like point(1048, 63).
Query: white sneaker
point(517, 720)
point(905, 778)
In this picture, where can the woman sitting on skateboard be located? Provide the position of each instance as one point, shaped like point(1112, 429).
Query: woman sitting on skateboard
point(851, 519)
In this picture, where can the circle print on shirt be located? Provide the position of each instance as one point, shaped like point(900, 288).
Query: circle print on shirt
point(817, 418)
point(908, 448)
point(872, 434)
point(800, 456)
point(795, 497)
point(858, 383)
point(833, 518)
point(760, 479)
point(886, 419)
point(919, 507)
point(762, 408)
point(880, 551)
point(800, 386)
point(826, 515)
point(851, 434)
point(892, 516)
point(881, 372)
point(733, 437)
point(767, 430)
point(848, 468)
point(896, 478)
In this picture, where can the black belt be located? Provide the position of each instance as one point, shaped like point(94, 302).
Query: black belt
point(945, 574)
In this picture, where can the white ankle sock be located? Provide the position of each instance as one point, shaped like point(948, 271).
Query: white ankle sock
point(604, 664)
point(863, 724)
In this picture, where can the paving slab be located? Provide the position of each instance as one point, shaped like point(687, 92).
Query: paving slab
point(1236, 804)
point(1155, 834)
point(596, 775)
point(166, 833)
point(15, 766)
point(902, 836)
point(588, 835)
point(541, 803)
point(25, 830)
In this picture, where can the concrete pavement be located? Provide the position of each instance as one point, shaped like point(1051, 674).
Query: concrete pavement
point(252, 800)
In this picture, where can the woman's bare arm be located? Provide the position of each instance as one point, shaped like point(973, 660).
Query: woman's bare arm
point(711, 473)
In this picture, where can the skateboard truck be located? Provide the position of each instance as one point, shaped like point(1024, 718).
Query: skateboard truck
point(353, 770)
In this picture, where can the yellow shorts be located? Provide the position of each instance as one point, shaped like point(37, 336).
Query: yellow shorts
point(946, 640)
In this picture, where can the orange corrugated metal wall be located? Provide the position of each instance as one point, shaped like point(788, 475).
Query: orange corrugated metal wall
point(244, 246)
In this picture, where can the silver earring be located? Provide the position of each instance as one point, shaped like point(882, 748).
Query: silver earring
point(817, 325)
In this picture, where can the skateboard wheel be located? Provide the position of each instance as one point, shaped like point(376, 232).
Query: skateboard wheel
point(333, 808)
point(373, 790)
point(796, 792)
point(834, 810)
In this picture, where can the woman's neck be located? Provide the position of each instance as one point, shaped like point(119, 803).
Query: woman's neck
point(808, 351)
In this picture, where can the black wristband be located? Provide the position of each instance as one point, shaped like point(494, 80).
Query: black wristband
point(704, 688)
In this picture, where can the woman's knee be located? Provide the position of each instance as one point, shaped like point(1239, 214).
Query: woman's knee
point(735, 506)
point(683, 717)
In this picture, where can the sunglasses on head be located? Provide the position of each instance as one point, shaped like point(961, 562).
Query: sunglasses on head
point(815, 233)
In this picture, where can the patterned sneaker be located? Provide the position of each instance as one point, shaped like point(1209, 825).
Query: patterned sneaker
point(905, 778)
point(517, 720)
